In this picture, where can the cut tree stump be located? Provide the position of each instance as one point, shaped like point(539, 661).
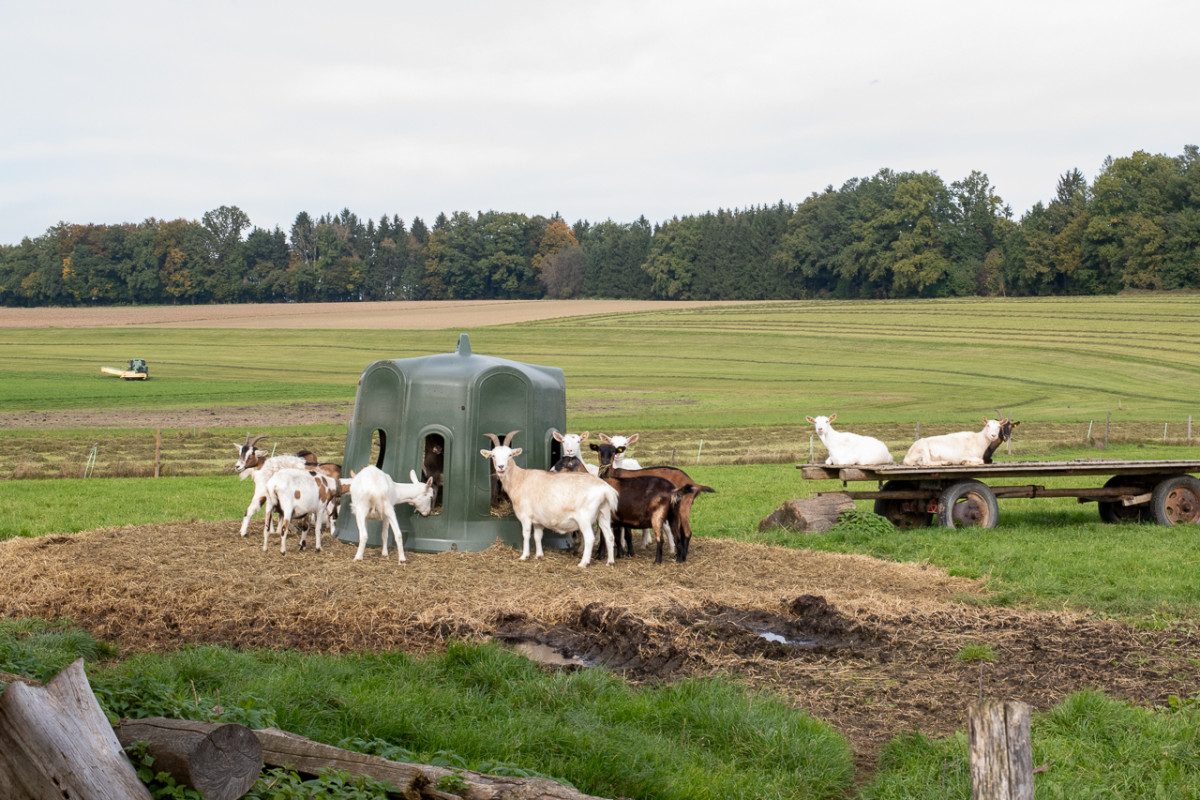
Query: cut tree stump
point(220, 760)
point(811, 515)
point(55, 743)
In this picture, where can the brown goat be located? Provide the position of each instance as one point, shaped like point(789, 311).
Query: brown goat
point(677, 477)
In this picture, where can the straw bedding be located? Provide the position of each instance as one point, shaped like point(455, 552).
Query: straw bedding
point(869, 646)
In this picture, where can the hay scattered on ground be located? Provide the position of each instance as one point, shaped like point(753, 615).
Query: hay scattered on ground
point(881, 639)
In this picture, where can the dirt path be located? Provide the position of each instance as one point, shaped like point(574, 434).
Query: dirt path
point(391, 315)
point(870, 646)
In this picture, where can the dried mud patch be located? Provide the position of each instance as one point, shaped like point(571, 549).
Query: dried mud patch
point(870, 646)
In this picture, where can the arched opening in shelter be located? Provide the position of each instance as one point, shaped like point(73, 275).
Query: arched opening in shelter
point(433, 465)
point(378, 447)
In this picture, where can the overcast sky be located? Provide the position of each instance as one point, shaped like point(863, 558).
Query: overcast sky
point(120, 111)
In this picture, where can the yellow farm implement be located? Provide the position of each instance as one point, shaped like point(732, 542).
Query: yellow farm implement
point(138, 371)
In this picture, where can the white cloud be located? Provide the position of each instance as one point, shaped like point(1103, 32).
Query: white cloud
point(120, 111)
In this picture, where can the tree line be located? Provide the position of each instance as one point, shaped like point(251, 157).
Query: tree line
point(892, 235)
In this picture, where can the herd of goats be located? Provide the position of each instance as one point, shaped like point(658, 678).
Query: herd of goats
point(573, 496)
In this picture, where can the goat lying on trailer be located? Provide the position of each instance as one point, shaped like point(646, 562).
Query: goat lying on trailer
point(847, 448)
point(963, 447)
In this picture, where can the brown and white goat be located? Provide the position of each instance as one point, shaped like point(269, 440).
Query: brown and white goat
point(298, 493)
point(254, 463)
point(560, 501)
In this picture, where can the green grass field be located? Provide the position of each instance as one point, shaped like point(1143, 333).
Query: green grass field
point(718, 386)
point(885, 362)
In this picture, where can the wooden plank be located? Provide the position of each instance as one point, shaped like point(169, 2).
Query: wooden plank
point(1000, 750)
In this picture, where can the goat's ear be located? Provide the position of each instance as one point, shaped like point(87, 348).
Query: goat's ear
point(605, 439)
point(631, 440)
point(594, 446)
point(810, 419)
point(1015, 424)
point(558, 437)
point(985, 420)
point(486, 453)
point(832, 417)
point(412, 476)
point(583, 436)
point(516, 452)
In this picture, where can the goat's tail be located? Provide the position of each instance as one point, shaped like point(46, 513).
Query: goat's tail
point(689, 490)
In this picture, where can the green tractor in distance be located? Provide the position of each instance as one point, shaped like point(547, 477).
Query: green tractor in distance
point(138, 371)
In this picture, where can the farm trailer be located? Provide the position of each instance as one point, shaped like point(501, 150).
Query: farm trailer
point(957, 496)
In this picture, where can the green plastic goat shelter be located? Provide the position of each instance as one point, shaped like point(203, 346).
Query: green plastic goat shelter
point(440, 407)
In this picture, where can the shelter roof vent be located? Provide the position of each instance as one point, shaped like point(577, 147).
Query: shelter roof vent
point(464, 345)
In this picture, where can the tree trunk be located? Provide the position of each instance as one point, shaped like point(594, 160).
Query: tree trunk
point(813, 514)
point(56, 743)
point(219, 760)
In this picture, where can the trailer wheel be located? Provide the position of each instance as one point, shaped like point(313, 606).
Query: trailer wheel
point(1176, 500)
point(904, 514)
point(1116, 512)
point(968, 503)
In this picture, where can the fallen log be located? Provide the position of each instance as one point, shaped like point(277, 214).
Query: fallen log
point(220, 760)
point(416, 781)
point(55, 743)
point(813, 514)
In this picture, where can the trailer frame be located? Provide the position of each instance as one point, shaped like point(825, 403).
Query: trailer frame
point(960, 495)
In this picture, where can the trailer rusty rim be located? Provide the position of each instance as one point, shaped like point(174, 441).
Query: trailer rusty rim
point(1177, 500)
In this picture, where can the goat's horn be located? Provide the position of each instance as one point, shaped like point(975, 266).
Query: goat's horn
point(509, 435)
point(495, 439)
point(257, 439)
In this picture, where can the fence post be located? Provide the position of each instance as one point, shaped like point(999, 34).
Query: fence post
point(1001, 752)
point(158, 453)
point(1107, 422)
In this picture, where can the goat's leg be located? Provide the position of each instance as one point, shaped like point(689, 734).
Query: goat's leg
point(395, 526)
point(360, 516)
point(525, 526)
point(606, 531)
point(255, 504)
point(285, 524)
point(589, 542)
point(538, 530)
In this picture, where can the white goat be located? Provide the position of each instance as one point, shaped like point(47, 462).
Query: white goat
point(964, 447)
point(622, 443)
point(849, 448)
point(298, 493)
point(561, 501)
point(254, 464)
point(572, 448)
point(374, 495)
